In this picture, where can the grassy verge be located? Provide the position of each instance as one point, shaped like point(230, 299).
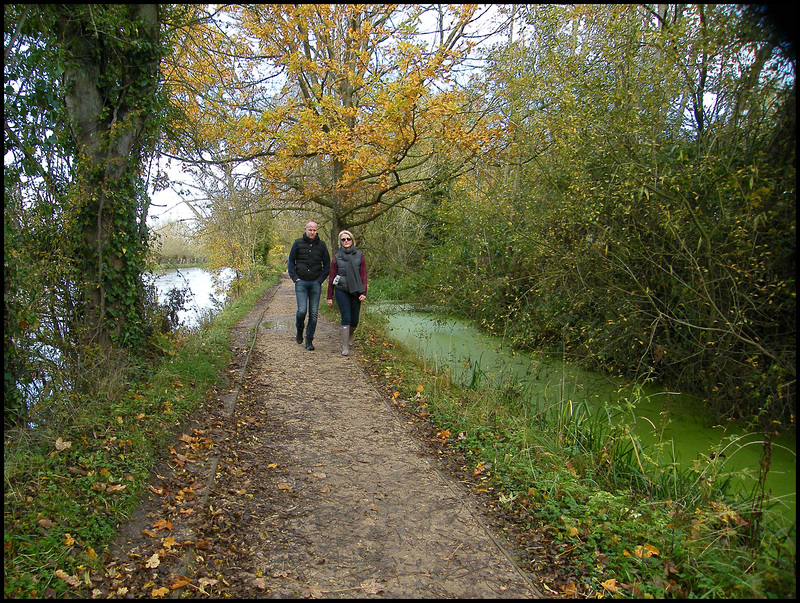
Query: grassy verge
point(67, 489)
point(601, 517)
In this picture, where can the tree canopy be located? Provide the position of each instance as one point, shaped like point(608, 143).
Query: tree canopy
point(619, 179)
point(348, 110)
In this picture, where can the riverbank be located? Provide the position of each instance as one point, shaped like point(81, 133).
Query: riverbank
point(670, 426)
point(575, 540)
point(68, 487)
point(585, 498)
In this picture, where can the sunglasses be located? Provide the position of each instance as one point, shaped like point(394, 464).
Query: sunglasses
point(345, 239)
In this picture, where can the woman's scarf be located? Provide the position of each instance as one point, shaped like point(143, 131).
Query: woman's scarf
point(348, 265)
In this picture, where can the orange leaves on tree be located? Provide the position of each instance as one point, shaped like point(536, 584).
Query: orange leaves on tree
point(330, 100)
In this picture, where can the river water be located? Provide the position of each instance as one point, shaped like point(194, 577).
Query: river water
point(207, 291)
point(659, 415)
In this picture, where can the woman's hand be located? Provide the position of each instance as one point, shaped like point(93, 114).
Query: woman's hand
point(362, 297)
point(330, 302)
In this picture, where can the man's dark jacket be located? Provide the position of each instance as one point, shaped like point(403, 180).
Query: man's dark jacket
point(309, 260)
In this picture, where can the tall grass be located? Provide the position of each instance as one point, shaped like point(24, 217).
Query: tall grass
point(584, 478)
point(58, 477)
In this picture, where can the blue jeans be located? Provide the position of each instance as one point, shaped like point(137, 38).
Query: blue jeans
point(349, 307)
point(307, 293)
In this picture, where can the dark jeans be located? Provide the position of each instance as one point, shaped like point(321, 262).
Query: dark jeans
point(349, 307)
point(307, 294)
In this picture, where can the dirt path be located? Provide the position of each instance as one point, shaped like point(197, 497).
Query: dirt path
point(300, 481)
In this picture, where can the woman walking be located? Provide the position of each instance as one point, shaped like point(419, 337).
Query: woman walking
point(348, 277)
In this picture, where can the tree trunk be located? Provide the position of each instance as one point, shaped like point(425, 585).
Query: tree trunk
point(111, 78)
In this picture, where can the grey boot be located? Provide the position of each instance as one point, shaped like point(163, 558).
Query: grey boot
point(345, 341)
point(352, 340)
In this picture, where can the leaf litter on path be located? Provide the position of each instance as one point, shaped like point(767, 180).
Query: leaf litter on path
point(308, 485)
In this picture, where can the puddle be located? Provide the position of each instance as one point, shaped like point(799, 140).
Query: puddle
point(283, 323)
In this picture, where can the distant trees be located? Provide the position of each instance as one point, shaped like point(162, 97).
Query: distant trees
point(176, 243)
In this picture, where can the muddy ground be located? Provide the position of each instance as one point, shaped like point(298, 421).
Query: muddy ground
point(301, 480)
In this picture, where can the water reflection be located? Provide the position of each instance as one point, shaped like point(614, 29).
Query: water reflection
point(208, 291)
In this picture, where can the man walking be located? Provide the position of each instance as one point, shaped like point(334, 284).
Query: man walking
point(308, 265)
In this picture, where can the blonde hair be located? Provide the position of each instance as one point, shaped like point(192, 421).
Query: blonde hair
point(347, 232)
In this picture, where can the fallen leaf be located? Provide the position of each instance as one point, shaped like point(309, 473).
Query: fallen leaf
point(646, 551)
point(371, 587)
point(610, 585)
point(180, 582)
point(314, 593)
point(284, 487)
point(68, 540)
point(116, 488)
point(61, 445)
point(71, 580)
point(159, 491)
point(153, 562)
point(168, 542)
point(45, 523)
point(159, 592)
point(163, 524)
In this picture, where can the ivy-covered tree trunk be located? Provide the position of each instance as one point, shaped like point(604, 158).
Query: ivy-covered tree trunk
point(112, 57)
